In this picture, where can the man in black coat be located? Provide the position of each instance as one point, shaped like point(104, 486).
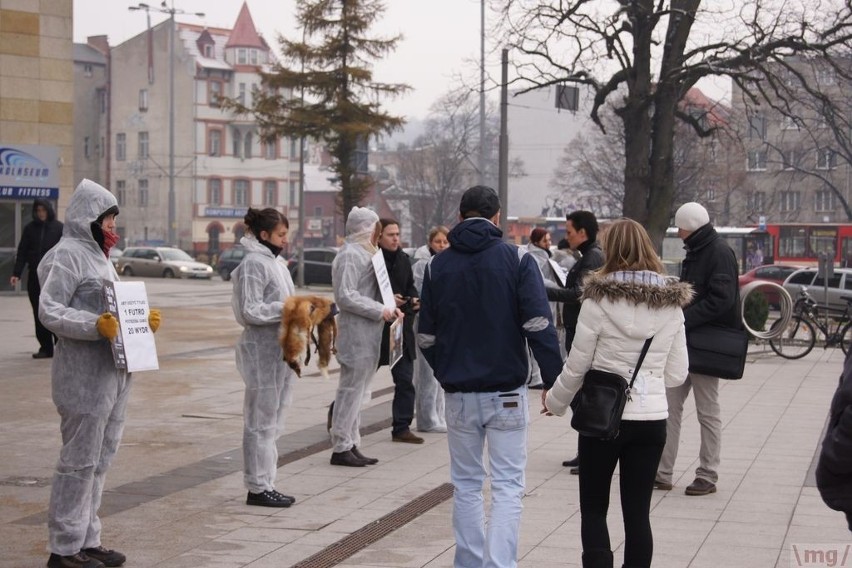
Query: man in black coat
point(834, 468)
point(581, 232)
point(407, 300)
point(711, 267)
point(39, 236)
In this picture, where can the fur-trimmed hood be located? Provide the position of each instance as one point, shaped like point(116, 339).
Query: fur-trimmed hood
point(637, 287)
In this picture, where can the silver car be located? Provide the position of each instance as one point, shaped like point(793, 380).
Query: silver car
point(167, 262)
point(838, 285)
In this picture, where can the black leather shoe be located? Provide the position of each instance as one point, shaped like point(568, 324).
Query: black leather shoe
point(106, 556)
point(79, 560)
point(347, 459)
point(282, 496)
point(360, 456)
point(573, 462)
point(268, 499)
point(42, 355)
point(575, 471)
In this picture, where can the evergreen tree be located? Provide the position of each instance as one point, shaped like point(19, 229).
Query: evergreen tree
point(323, 88)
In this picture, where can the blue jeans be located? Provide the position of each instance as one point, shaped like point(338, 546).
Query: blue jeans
point(501, 418)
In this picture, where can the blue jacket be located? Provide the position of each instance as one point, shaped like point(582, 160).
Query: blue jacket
point(481, 304)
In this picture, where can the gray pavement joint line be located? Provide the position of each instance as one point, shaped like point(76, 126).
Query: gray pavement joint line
point(376, 530)
point(135, 493)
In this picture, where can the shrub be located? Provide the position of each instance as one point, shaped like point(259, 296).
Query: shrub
point(756, 310)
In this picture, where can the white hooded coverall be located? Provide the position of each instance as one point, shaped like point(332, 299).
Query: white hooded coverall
point(90, 394)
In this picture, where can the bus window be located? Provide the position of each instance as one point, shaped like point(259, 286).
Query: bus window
point(846, 249)
point(792, 241)
point(823, 239)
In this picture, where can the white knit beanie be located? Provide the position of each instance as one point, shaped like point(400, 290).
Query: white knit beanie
point(691, 216)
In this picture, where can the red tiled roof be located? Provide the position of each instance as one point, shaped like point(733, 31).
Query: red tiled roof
point(244, 33)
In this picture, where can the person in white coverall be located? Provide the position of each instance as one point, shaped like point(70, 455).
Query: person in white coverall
point(90, 394)
point(261, 285)
point(360, 323)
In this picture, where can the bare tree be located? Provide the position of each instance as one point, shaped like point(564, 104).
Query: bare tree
point(642, 56)
point(442, 163)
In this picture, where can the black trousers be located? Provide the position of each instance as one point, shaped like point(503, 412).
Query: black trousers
point(43, 335)
point(636, 450)
point(403, 395)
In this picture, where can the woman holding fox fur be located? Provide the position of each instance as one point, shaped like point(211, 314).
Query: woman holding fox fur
point(262, 284)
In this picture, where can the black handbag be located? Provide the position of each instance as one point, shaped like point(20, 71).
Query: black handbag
point(599, 404)
point(717, 351)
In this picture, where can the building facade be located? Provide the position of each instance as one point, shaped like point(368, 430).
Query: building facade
point(219, 166)
point(36, 114)
point(91, 110)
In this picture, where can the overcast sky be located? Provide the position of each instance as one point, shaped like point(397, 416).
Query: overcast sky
point(440, 37)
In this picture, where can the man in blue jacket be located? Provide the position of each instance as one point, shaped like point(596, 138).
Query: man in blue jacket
point(481, 305)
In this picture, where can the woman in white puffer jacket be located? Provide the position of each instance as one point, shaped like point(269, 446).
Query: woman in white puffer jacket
point(627, 301)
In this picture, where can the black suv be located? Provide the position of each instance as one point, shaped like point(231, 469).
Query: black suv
point(228, 261)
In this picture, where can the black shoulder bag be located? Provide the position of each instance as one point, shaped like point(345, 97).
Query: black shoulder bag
point(599, 403)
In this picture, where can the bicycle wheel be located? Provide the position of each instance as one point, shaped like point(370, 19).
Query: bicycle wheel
point(846, 338)
point(796, 341)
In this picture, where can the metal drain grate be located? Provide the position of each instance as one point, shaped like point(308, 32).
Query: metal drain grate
point(375, 531)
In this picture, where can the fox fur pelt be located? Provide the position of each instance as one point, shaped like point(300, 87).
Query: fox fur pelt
point(303, 314)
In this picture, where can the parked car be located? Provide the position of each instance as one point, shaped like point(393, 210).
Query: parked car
point(114, 255)
point(317, 265)
point(229, 260)
point(167, 262)
point(838, 285)
point(776, 273)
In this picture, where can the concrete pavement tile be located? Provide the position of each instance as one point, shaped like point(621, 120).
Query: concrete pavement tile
point(549, 556)
point(760, 535)
point(714, 556)
point(306, 516)
point(399, 556)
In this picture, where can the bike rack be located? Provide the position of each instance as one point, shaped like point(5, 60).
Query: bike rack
point(786, 308)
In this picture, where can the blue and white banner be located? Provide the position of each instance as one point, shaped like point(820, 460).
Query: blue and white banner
point(28, 172)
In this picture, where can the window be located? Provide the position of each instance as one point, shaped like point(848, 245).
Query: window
point(242, 56)
point(757, 127)
point(567, 97)
point(241, 192)
point(823, 239)
point(294, 149)
point(269, 152)
point(710, 194)
point(143, 145)
point(86, 147)
point(247, 144)
point(121, 192)
point(756, 160)
point(253, 56)
point(270, 193)
point(236, 143)
point(214, 93)
point(825, 200)
point(87, 69)
point(120, 146)
point(102, 100)
point(791, 243)
point(242, 94)
point(318, 211)
point(294, 193)
point(214, 142)
point(826, 159)
point(143, 100)
point(826, 77)
point(788, 159)
point(756, 201)
point(790, 200)
point(208, 50)
point(143, 193)
point(214, 191)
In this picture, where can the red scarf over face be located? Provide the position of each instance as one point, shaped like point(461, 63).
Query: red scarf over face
point(110, 240)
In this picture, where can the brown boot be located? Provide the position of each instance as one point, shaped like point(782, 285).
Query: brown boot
point(701, 487)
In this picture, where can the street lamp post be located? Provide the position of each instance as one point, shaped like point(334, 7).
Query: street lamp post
point(171, 11)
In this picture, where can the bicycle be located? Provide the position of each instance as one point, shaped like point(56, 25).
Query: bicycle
point(799, 338)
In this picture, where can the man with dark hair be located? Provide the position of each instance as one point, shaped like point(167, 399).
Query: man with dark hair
point(482, 304)
point(39, 236)
point(581, 232)
point(402, 282)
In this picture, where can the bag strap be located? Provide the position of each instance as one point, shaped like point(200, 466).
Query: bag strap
point(641, 359)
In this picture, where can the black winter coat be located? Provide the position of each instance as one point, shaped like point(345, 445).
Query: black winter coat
point(402, 281)
point(711, 267)
point(834, 468)
point(37, 238)
point(571, 295)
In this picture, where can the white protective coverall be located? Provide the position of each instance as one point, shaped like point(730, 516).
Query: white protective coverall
point(429, 396)
point(360, 324)
point(261, 285)
point(90, 394)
